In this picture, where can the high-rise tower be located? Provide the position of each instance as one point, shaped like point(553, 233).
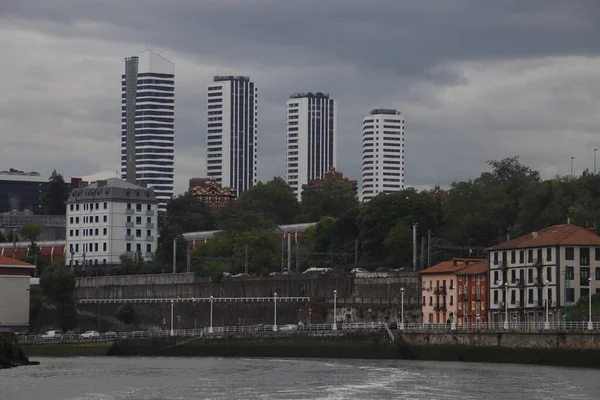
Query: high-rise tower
point(148, 123)
point(311, 138)
point(382, 153)
point(232, 132)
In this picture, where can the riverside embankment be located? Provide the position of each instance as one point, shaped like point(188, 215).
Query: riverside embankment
point(555, 348)
point(11, 354)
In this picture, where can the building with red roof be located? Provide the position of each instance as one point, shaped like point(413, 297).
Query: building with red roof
point(556, 265)
point(14, 294)
point(472, 295)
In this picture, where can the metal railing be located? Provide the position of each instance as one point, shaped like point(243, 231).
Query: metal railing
point(500, 326)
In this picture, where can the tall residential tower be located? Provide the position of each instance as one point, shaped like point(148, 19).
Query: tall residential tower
point(231, 147)
point(148, 123)
point(382, 153)
point(311, 138)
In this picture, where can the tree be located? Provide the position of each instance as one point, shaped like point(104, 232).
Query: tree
point(274, 200)
point(58, 286)
point(31, 232)
point(332, 199)
point(56, 195)
point(127, 314)
point(2, 237)
point(190, 214)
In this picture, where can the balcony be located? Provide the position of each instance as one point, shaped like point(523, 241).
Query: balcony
point(436, 308)
point(440, 291)
point(129, 224)
point(149, 212)
point(149, 238)
point(503, 264)
point(129, 211)
point(128, 237)
point(149, 225)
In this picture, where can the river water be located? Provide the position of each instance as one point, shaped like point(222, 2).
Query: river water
point(107, 378)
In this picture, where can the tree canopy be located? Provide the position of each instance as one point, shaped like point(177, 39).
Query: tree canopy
point(56, 195)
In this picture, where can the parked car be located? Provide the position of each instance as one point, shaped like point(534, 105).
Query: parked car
point(52, 335)
point(289, 327)
point(90, 335)
point(110, 335)
point(359, 271)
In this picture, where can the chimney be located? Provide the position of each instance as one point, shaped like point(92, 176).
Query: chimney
point(534, 234)
point(569, 221)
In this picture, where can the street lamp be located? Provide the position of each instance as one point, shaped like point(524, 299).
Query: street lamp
point(547, 323)
point(334, 326)
point(210, 328)
point(275, 312)
point(505, 305)
point(595, 150)
point(572, 158)
point(172, 330)
point(401, 327)
point(590, 324)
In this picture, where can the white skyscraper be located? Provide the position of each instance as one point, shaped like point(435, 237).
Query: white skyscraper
point(382, 153)
point(232, 132)
point(148, 123)
point(311, 138)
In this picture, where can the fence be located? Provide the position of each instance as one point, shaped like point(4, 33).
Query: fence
point(512, 326)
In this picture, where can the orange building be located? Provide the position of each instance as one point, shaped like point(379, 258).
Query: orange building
point(211, 193)
point(333, 175)
point(440, 292)
point(472, 295)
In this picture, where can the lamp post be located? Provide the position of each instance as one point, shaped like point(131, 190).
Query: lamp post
point(334, 326)
point(547, 323)
point(401, 327)
point(572, 158)
point(590, 324)
point(172, 330)
point(595, 150)
point(274, 312)
point(505, 305)
point(210, 328)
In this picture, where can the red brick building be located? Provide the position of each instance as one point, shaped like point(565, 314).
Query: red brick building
point(333, 175)
point(472, 284)
point(211, 193)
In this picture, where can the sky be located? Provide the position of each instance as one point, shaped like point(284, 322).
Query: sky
point(475, 80)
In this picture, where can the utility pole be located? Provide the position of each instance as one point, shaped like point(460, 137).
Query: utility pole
point(282, 252)
point(246, 259)
point(174, 254)
point(189, 257)
point(289, 253)
point(14, 243)
point(356, 252)
point(415, 246)
point(297, 257)
point(422, 251)
point(572, 158)
point(429, 248)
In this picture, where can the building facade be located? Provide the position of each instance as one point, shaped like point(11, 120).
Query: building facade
point(211, 193)
point(22, 191)
point(232, 132)
point(472, 295)
point(440, 294)
point(382, 153)
point(311, 138)
point(557, 265)
point(148, 124)
point(14, 294)
point(332, 175)
point(109, 218)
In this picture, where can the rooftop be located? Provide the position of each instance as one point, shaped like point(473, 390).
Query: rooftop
point(221, 78)
point(310, 95)
point(454, 265)
point(16, 175)
point(385, 111)
point(564, 235)
point(476, 268)
point(113, 189)
point(7, 262)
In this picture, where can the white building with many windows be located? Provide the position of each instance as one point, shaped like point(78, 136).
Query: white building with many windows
point(109, 218)
point(148, 123)
point(557, 265)
point(311, 138)
point(382, 153)
point(232, 132)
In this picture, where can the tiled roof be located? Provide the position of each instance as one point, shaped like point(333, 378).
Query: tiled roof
point(454, 265)
point(13, 262)
point(555, 235)
point(476, 268)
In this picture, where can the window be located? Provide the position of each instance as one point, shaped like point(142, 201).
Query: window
point(105, 218)
point(473, 290)
point(549, 254)
point(96, 244)
point(128, 247)
point(76, 247)
point(495, 257)
point(128, 219)
point(76, 232)
point(530, 296)
point(495, 276)
point(71, 207)
point(149, 207)
point(96, 232)
point(76, 220)
point(128, 232)
point(451, 300)
point(71, 233)
point(138, 247)
point(495, 297)
point(105, 205)
point(70, 220)
point(530, 256)
point(423, 299)
point(460, 306)
point(569, 253)
point(539, 255)
point(138, 220)
point(96, 218)
point(97, 206)
point(129, 206)
point(149, 233)
point(584, 292)
point(570, 273)
point(513, 276)
point(549, 274)
point(483, 305)
point(598, 273)
point(570, 295)
point(584, 256)
point(597, 255)
point(530, 275)
point(104, 231)
point(149, 221)
point(76, 207)
point(522, 256)
point(138, 233)
point(104, 244)
point(584, 273)
point(473, 305)
point(138, 207)
point(513, 257)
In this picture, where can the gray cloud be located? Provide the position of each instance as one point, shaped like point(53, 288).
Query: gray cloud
point(475, 80)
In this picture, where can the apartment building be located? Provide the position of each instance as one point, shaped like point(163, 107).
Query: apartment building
point(472, 295)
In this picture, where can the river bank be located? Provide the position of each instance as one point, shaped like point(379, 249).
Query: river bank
point(366, 345)
point(11, 354)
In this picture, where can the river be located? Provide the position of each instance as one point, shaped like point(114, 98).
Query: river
point(107, 378)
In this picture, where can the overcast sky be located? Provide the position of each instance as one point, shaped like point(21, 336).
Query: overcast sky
point(475, 79)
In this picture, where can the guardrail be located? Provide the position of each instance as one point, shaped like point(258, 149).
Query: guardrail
point(511, 326)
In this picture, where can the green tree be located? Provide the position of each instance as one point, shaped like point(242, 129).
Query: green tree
point(190, 214)
point(2, 237)
point(273, 200)
point(58, 286)
point(333, 199)
point(127, 314)
point(56, 195)
point(31, 231)
point(240, 220)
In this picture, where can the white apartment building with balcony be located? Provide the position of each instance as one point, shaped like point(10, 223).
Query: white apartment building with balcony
point(382, 153)
point(109, 218)
point(558, 265)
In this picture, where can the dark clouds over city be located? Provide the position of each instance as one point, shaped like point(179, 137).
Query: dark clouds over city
point(475, 80)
